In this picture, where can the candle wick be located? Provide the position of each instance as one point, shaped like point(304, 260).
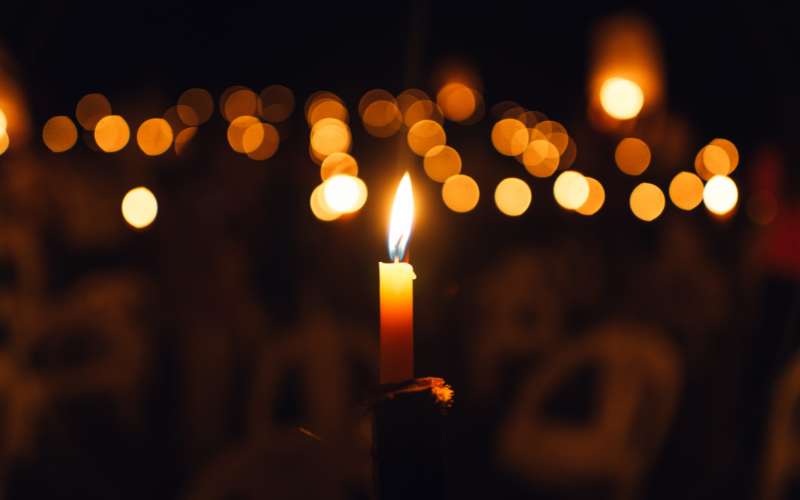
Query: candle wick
point(396, 259)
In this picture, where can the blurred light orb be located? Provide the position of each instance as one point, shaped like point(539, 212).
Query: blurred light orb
point(632, 156)
point(338, 163)
point(139, 207)
point(425, 135)
point(647, 201)
point(154, 136)
point(275, 103)
point(686, 191)
point(460, 193)
point(595, 200)
point(4, 141)
point(716, 160)
point(59, 134)
point(343, 193)
point(236, 131)
point(320, 208)
point(730, 149)
point(441, 163)
point(112, 133)
point(720, 195)
point(700, 166)
point(457, 101)
point(195, 107)
point(512, 196)
point(330, 135)
point(3, 121)
point(621, 98)
point(541, 158)
point(510, 137)
point(571, 190)
point(260, 141)
point(91, 109)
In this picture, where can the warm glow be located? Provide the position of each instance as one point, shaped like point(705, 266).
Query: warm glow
point(154, 136)
point(700, 166)
point(424, 135)
point(402, 217)
point(260, 141)
point(457, 101)
point(510, 137)
point(139, 207)
point(276, 103)
point(195, 107)
point(3, 122)
point(344, 193)
point(730, 149)
point(327, 107)
point(460, 193)
point(422, 110)
point(571, 190)
point(621, 98)
point(595, 200)
point(59, 134)
point(91, 109)
point(632, 156)
point(512, 196)
point(716, 160)
point(720, 195)
point(4, 142)
point(541, 158)
point(382, 118)
point(320, 207)
point(686, 190)
point(112, 133)
point(762, 207)
point(568, 157)
point(183, 138)
point(330, 135)
point(647, 201)
point(338, 163)
point(241, 103)
point(236, 131)
point(442, 162)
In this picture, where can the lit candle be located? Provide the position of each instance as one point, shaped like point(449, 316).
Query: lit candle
point(397, 304)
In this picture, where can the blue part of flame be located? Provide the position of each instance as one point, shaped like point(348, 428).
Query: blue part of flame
point(397, 249)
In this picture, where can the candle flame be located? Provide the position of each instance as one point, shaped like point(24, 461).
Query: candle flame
point(400, 225)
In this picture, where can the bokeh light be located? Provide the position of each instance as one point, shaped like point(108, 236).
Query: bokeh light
point(510, 136)
point(338, 163)
point(512, 196)
point(632, 156)
point(541, 158)
point(595, 199)
point(344, 193)
point(183, 138)
point(154, 136)
point(4, 141)
point(112, 133)
point(3, 122)
point(382, 118)
point(571, 190)
point(320, 208)
point(330, 135)
point(457, 101)
point(732, 152)
point(424, 135)
point(236, 131)
point(460, 193)
point(323, 105)
point(59, 134)
point(700, 166)
point(195, 107)
point(647, 201)
point(276, 103)
point(223, 100)
point(91, 109)
point(686, 190)
point(174, 120)
point(569, 155)
point(716, 160)
point(139, 207)
point(442, 162)
point(260, 141)
point(243, 102)
point(720, 195)
point(762, 207)
point(621, 98)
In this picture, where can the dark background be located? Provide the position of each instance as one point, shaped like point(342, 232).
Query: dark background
point(235, 266)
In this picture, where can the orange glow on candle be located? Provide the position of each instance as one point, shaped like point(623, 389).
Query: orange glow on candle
point(397, 304)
